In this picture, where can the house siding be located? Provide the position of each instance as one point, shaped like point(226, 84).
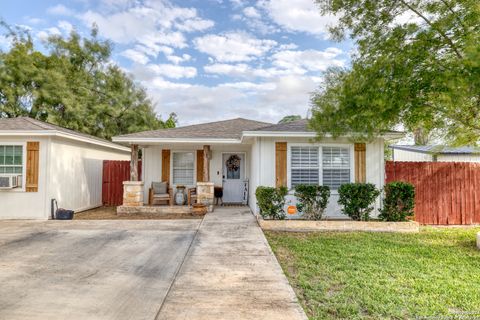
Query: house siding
point(19, 204)
point(69, 171)
point(265, 163)
point(76, 170)
point(404, 155)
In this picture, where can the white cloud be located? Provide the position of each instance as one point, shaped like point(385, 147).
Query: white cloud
point(284, 63)
point(235, 70)
point(300, 62)
point(135, 56)
point(44, 34)
point(238, 3)
point(152, 71)
point(60, 10)
point(179, 59)
point(298, 16)
point(266, 101)
point(152, 23)
point(251, 12)
point(233, 46)
point(66, 26)
point(195, 24)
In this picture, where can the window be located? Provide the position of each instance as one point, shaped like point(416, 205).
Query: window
point(336, 166)
point(183, 168)
point(11, 159)
point(304, 166)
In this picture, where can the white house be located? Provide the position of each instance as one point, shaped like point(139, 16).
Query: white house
point(241, 154)
point(41, 161)
point(435, 153)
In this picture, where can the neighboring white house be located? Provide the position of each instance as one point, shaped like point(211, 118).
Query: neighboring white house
point(435, 153)
point(41, 161)
point(243, 154)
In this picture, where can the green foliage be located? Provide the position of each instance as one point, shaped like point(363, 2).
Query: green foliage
point(399, 201)
point(312, 200)
point(290, 118)
point(382, 275)
point(271, 201)
point(357, 199)
point(74, 85)
point(421, 73)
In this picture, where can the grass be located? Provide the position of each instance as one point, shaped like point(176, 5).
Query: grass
point(383, 275)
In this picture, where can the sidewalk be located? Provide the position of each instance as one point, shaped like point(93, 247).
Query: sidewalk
point(230, 273)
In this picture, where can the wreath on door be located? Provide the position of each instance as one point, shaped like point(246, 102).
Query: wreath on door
point(233, 163)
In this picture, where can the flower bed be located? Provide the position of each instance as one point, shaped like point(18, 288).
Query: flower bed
point(337, 225)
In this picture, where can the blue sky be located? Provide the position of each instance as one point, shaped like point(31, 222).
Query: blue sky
point(205, 60)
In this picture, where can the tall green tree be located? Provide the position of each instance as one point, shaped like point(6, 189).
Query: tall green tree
point(74, 85)
point(417, 65)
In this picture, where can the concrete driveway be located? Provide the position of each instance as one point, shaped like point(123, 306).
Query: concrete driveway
point(89, 269)
point(218, 268)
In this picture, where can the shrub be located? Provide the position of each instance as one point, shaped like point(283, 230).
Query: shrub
point(357, 199)
point(399, 201)
point(312, 200)
point(271, 201)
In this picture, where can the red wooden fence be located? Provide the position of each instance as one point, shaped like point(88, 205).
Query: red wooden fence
point(446, 192)
point(114, 173)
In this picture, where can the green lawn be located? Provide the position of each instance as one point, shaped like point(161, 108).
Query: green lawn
point(382, 275)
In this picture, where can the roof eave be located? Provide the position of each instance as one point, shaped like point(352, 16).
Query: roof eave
point(133, 140)
point(56, 133)
point(309, 134)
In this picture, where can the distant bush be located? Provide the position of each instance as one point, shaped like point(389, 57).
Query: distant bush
point(312, 200)
point(399, 201)
point(357, 199)
point(271, 201)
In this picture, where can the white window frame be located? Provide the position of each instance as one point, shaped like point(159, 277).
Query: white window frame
point(194, 166)
point(24, 163)
point(320, 160)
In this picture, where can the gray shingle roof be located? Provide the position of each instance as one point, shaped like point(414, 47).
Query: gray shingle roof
point(292, 126)
point(29, 124)
point(438, 149)
point(226, 129)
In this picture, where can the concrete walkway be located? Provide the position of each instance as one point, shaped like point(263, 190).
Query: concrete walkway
point(230, 273)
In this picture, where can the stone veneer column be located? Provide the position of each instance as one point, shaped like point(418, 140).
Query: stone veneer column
point(132, 193)
point(205, 194)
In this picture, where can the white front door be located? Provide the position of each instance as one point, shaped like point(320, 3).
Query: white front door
point(233, 177)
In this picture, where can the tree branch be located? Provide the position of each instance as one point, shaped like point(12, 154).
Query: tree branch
point(430, 23)
point(454, 13)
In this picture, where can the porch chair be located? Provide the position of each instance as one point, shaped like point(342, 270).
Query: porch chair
point(160, 192)
point(191, 196)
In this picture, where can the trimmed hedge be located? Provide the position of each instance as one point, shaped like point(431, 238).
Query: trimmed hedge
point(312, 200)
point(399, 201)
point(357, 199)
point(271, 201)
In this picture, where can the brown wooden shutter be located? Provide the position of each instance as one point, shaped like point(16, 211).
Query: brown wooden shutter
point(281, 164)
point(360, 162)
point(200, 165)
point(33, 154)
point(166, 165)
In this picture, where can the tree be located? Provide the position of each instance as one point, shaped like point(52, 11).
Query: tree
point(417, 65)
point(290, 118)
point(74, 85)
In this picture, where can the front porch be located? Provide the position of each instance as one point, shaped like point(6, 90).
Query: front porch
point(177, 177)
